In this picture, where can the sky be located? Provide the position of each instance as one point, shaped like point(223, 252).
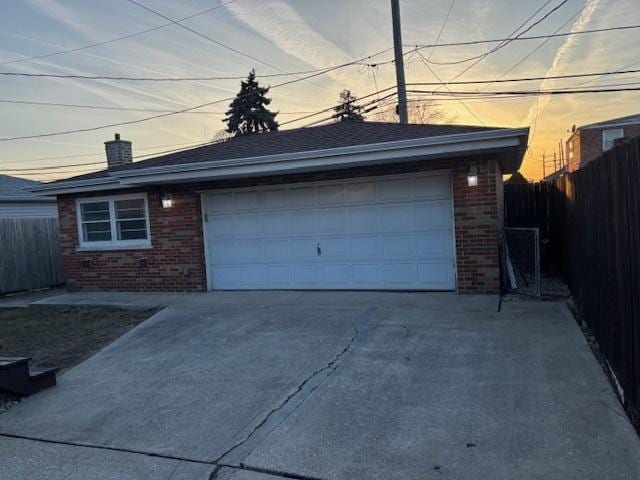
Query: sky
point(277, 37)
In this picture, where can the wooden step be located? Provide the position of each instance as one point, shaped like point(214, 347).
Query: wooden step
point(16, 378)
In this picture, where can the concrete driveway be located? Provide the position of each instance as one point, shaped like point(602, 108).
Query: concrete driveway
point(328, 385)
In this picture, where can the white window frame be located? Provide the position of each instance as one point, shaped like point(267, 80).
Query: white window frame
point(604, 141)
point(114, 243)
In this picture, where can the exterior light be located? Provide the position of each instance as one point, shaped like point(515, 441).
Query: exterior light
point(472, 176)
point(167, 200)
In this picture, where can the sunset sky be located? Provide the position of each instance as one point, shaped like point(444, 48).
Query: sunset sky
point(292, 36)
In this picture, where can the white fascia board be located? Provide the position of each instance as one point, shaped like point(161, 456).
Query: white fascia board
point(376, 153)
point(314, 164)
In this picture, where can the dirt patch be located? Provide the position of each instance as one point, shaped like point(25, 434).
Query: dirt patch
point(61, 337)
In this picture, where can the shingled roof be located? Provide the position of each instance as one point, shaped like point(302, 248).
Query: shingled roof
point(15, 188)
point(333, 135)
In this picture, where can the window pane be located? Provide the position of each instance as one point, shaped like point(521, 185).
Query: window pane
point(97, 232)
point(130, 208)
point(132, 230)
point(94, 211)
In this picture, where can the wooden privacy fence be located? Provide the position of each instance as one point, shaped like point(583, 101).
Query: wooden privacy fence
point(593, 234)
point(29, 254)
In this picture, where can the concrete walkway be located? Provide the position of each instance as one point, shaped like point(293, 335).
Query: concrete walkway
point(327, 385)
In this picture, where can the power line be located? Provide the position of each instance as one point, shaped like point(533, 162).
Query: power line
point(530, 92)
point(125, 109)
point(520, 38)
point(529, 79)
point(124, 37)
point(360, 61)
point(444, 22)
point(426, 64)
point(153, 117)
point(500, 45)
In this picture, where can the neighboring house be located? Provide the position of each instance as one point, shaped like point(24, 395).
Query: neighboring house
point(16, 201)
point(349, 205)
point(552, 177)
point(588, 142)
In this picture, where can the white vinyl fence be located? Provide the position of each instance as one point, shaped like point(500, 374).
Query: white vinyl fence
point(29, 254)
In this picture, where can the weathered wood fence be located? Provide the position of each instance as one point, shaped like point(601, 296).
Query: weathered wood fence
point(592, 226)
point(29, 254)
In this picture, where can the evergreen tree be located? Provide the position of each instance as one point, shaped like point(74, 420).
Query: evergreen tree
point(348, 110)
point(248, 113)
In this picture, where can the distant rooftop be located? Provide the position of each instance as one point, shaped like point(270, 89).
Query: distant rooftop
point(13, 188)
point(629, 119)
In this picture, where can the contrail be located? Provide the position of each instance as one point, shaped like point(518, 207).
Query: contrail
point(582, 21)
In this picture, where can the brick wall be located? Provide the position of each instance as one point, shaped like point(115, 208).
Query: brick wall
point(176, 261)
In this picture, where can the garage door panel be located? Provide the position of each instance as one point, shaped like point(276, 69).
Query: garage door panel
point(275, 224)
point(367, 275)
point(337, 275)
point(273, 199)
point(247, 200)
point(396, 217)
point(396, 189)
point(331, 194)
point(248, 225)
point(433, 214)
point(302, 222)
point(362, 219)
point(278, 276)
point(302, 196)
point(435, 186)
point(433, 274)
point(221, 226)
point(306, 275)
point(374, 233)
point(434, 245)
point(276, 250)
point(395, 246)
point(400, 274)
point(333, 248)
point(304, 249)
point(360, 192)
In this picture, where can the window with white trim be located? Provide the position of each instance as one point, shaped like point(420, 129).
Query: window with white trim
point(609, 136)
point(113, 222)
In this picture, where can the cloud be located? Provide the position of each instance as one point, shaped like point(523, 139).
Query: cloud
point(561, 54)
point(279, 23)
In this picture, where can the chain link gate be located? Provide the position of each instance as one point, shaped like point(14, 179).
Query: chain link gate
point(522, 260)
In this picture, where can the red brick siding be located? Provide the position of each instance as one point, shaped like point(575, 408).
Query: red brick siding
point(176, 261)
point(587, 144)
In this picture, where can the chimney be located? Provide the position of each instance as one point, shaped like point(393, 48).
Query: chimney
point(118, 152)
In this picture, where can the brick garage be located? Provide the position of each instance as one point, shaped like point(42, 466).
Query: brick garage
point(175, 259)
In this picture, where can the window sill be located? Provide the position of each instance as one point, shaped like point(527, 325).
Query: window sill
point(107, 248)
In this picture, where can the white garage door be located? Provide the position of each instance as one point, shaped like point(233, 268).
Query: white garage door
point(391, 233)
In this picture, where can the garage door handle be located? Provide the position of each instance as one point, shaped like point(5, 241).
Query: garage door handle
point(319, 249)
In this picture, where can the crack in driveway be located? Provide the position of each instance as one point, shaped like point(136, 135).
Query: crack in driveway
point(234, 455)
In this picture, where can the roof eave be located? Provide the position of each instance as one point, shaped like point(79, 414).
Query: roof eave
point(509, 144)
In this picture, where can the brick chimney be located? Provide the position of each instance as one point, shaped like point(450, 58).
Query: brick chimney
point(118, 152)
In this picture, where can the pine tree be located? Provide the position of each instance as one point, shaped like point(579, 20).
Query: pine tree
point(348, 110)
point(247, 112)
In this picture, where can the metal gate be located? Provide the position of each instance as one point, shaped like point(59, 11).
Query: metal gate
point(522, 260)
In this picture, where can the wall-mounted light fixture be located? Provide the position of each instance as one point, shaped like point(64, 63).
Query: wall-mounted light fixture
point(167, 200)
point(472, 176)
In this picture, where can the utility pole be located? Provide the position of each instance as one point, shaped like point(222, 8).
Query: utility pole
point(544, 170)
point(397, 47)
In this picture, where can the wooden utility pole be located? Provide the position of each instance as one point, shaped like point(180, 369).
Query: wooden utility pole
point(544, 170)
point(399, 60)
